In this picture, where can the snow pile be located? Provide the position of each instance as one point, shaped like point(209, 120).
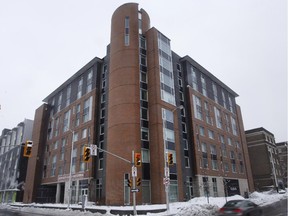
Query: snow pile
point(266, 198)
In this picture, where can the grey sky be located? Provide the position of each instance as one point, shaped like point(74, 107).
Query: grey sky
point(242, 42)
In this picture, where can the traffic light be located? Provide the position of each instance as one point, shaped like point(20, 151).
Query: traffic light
point(138, 182)
point(28, 148)
point(129, 183)
point(137, 159)
point(170, 158)
point(87, 154)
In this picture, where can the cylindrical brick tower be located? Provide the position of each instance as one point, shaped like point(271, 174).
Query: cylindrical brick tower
point(123, 126)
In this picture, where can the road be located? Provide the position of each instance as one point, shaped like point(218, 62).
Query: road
point(276, 209)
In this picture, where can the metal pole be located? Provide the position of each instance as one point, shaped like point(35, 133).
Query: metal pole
point(70, 173)
point(273, 168)
point(133, 185)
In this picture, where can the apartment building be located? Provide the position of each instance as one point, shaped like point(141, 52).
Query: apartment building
point(13, 165)
point(265, 163)
point(142, 98)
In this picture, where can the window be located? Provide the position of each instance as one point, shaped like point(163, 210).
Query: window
point(215, 93)
point(226, 167)
point(87, 111)
point(207, 113)
point(224, 99)
point(214, 164)
point(102, 128)
point(185, 144)
point(230, 104)
point(197, 108)
point(232, 155)
point(103, 98)
point(215, 190)
point(204, 147)
point(203, 82)
point(79, 89)
point(53, 165)
point(211, 134)
point(144, 113)
point(77, 119)
point(62, 151)
point(66, 123)
point(218, 117)
point(145, 155)
point(74, 159)
point(126, 37)
point(56, 126)
point(229, 141)
point(205, 162)
point(213, 149)
point(82, 164)
point(144, 134)
point(186, 161)
point(143, 95)
point(166, 71)
point(89, 81)
point(143, 77)
point(194, 79)
point(68, 96)
point(234, 126)
point(84, 133)
point(59, 102)
point(184, 128)
point(233, 167)
point(201, 131)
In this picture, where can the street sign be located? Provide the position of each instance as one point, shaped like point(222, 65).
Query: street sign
point(93, 149)
point(134, 171)
point(167, 171)
point(166, 181)
point(135, 190)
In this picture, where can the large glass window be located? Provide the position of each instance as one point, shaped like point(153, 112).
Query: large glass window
point(166, 73)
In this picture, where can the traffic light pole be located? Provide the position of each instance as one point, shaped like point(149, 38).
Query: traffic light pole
point(134, 183)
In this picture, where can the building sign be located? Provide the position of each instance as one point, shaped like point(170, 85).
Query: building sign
point(232, 187)
point(64, 178)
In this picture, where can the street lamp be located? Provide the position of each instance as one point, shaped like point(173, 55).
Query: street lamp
point(70, 172)
point(71, 158)
point(166, 166)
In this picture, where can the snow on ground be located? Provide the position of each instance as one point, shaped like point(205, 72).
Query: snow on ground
point(199, 206)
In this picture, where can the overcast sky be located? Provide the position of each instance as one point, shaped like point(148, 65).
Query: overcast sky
point(241, 42)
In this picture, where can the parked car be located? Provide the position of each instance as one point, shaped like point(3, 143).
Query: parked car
point(240, 208)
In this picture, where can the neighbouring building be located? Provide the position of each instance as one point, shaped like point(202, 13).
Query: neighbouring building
point(145, 98)
point(265, 163)
point(13, 165)
point(282, 153)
